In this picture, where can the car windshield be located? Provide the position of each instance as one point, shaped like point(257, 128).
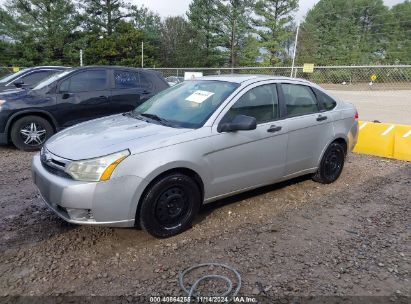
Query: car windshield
point(10, 77)
point(186, 105)
point(44, 83)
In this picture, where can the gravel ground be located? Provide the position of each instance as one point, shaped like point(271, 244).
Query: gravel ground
point(298, 238)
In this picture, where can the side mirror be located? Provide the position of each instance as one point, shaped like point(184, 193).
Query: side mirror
point(239, 123)
point(18, 83)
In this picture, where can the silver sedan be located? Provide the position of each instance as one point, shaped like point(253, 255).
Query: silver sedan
point(192, 144)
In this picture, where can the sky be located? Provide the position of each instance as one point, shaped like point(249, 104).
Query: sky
point(179, 7)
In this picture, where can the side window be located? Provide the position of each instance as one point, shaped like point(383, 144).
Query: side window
point(260, 102)
point(125, 79)
point(145, 82)
point(36, 77)
point(85, 81)
point(299, 99)
point(326, 101)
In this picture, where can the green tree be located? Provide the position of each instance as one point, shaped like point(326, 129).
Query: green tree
point(399, 51)
point(40, 31)
point(250, 52)
point(203, 16)
point(272, 24)
point(103, 16)
point(345, 32)
point(179, 46)
point(234, 26)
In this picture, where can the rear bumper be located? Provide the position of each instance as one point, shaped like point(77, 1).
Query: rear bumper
point(353, 136)
point(111, 203)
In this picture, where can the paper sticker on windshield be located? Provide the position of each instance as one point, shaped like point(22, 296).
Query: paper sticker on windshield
point(199, 96)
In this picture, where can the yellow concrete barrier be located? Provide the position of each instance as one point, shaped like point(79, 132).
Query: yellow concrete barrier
point(386, 140)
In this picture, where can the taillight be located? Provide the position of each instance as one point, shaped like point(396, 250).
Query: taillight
point(356, 115)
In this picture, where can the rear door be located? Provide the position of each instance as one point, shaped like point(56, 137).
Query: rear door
point(309, 130)
point(130, 89)
point(83, 96)
point(244, 159)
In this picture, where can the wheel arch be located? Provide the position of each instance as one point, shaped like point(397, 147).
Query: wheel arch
point(184, 170)
point(343, 140)
point(43, 114)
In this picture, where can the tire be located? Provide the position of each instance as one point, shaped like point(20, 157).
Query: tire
point(170, 205)
point(30, 133)
point(331, 164)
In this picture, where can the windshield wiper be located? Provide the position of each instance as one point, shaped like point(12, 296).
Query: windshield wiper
point(156, 118)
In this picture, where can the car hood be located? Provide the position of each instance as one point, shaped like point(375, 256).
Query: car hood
point(109, 135)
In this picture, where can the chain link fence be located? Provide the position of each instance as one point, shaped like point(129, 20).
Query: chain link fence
point(332, 77)
point(394, 77)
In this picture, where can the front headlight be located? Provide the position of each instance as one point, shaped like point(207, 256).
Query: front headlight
point(96, 169)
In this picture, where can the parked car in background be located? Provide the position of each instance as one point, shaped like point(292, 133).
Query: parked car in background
point(173, 80)
point(194, 143)
point(27, 78)
point(29, 117)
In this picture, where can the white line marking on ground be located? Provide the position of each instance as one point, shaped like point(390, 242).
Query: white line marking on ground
point(388, 130)
point(363, 125)
point(407, 134)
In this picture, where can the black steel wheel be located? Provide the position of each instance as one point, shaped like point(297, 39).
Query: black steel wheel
point(30, 133)
point(170, 205)
point(331, 164)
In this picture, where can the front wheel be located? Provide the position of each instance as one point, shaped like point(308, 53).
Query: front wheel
point(331, 164)
point(30, 133)
point(170, 205)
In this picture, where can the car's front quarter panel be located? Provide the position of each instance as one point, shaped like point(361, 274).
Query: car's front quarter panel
point(187, 152)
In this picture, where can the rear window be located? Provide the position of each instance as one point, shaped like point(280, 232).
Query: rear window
point(299, 99)
point(85, 81)
point(131, 80)
point(326, 101)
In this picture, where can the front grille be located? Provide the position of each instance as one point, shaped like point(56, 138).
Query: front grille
point(53, 164)
point(55, 171)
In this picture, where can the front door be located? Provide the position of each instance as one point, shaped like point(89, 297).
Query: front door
point(246, 159)
point(83, 96)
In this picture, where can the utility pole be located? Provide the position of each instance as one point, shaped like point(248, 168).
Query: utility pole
point(295, 48)
point(81, 58)
point(142, 54)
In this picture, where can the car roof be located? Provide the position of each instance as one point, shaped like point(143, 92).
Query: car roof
point(251, 78)
point(108, 67)
point(49, 67)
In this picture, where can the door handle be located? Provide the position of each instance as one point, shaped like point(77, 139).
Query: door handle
point(145, 92)
point(273, 129)
point(321, 118)
point(102, 97)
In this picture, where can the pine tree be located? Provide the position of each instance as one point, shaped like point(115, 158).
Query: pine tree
point(41, 30)
point(203, 16)
point(234, 19)
point(272, 24)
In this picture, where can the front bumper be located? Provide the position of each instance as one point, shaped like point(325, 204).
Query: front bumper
point(111, 203)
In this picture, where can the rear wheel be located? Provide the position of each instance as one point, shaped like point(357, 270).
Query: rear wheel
point(30, 133)
point(170, 205)
point(331, 164)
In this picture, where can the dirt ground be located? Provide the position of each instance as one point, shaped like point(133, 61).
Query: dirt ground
point(299, 238)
